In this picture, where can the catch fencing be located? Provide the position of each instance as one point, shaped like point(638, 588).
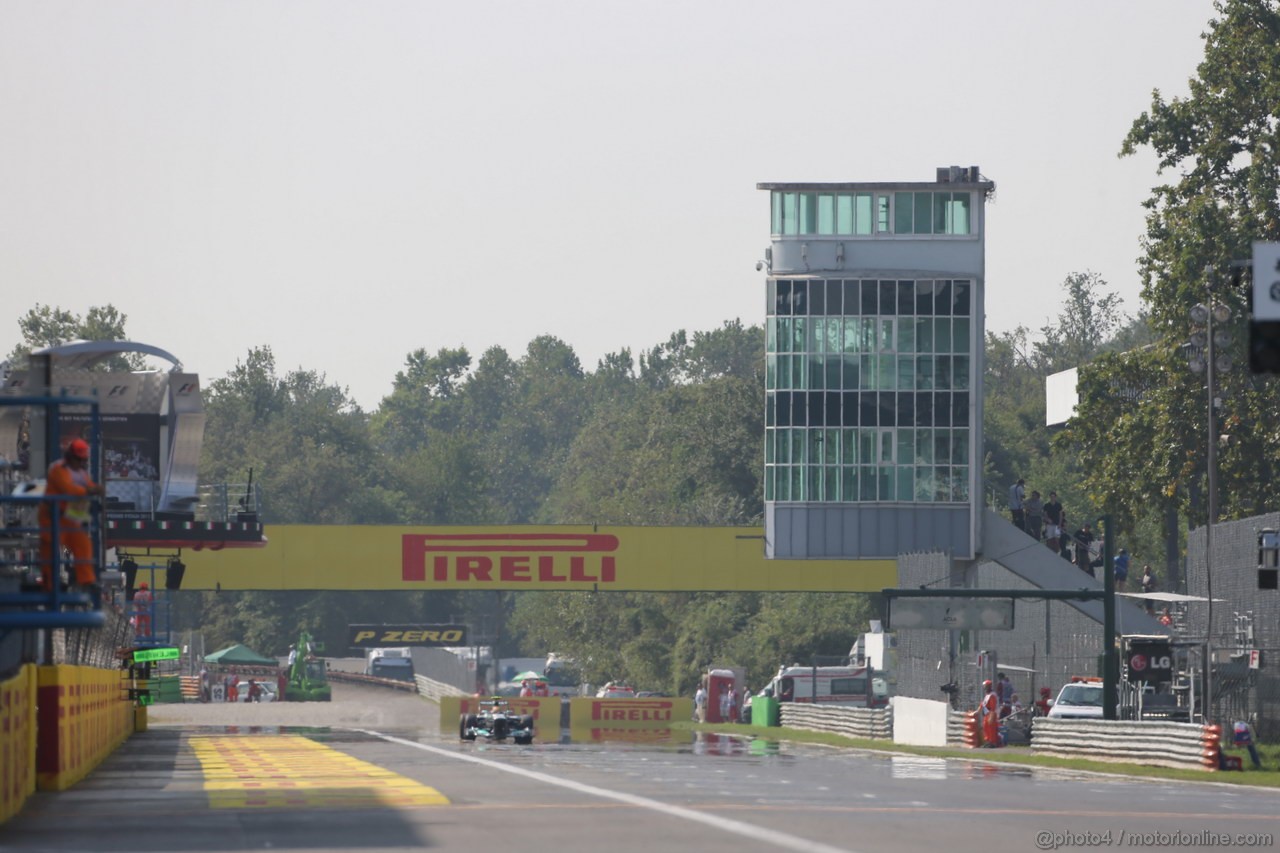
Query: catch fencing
point(874, 723)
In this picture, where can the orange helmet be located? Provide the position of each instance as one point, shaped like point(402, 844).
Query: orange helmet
point(987, 683)
point(79, 449)
point(143, 585)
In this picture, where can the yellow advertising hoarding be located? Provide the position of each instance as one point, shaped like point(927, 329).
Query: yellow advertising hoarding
point(560, 557)
point(646, 713)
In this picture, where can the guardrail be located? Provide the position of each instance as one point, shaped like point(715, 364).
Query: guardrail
point(434, 690)
point(359, 678)
point(850, 722)
point(1158, 744)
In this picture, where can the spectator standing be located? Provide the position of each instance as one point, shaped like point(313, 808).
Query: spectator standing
point(1053, 521)
point(1122, 569)
point(732, 716)
point(700, 703)
point(724, 703)
point(1004, 689)
point(1033, 509)
point(1084, 540)
point(1017, 494)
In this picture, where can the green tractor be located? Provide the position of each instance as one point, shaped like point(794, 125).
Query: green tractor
point(308, 674)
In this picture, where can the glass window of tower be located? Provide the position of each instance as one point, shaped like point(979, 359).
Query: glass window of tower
point(868, 387)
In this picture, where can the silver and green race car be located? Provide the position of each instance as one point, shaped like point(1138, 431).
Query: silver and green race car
point(494, 721)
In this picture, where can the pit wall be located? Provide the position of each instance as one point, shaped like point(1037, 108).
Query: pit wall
point(82, 715)
point(17, 740)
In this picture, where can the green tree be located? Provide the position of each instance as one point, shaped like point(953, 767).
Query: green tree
point(1087, 323)
point(46, 326)
point(1142, 423)
point(306, 442)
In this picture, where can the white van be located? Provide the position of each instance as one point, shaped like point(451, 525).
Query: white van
point(828, 685)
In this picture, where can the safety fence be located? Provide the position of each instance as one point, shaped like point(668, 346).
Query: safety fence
point(1157, 744)
point(435, 690)
point(850, 722)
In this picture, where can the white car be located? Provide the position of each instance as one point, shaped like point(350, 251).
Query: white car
point(1079, 700)
point(268, 691)
point(616, 691)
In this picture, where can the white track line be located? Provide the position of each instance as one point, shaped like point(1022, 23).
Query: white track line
point(748, 830)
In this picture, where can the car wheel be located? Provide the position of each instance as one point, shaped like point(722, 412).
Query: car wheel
point(524, 741)
point(466, 724)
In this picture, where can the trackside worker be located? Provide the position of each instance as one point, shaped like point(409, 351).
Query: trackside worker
point(1044, 703)
point(69, 476)
point(989, 709)
point(142, 610)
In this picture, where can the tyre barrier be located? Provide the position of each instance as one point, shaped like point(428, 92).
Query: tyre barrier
point(873, 723)
point(1157, 744)
point(963, 729)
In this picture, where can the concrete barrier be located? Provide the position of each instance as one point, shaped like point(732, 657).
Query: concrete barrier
point(922, 722)
point(17, 740)
point(82, 715)
point(434, 690)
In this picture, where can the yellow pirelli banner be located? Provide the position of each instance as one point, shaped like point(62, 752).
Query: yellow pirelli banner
point(562, 557)
point(646, 713)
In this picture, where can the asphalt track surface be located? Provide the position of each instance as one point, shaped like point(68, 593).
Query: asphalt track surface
point(371, 771)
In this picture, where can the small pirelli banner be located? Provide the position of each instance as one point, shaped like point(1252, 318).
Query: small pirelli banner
point(648, 713)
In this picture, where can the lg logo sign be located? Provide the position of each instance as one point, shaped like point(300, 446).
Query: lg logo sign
point(1150, 662)
point(1140, 663)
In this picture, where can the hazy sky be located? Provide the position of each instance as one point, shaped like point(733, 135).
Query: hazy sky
point(349, 181)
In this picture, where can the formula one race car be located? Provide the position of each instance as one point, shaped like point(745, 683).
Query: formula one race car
point(496, 722)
